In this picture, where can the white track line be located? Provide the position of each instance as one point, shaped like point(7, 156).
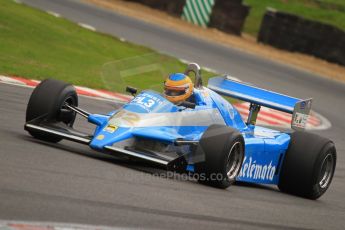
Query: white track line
point(54, 14)
point(204, 68)
point(210, 70)
point(184, 61)
point(86, 26)
point(4, 224)
point(233, 78)
point(11, 81)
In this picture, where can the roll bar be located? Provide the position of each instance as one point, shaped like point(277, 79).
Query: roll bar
point(195, 68)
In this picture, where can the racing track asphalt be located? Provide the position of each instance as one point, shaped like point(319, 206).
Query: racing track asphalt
point(67, 182)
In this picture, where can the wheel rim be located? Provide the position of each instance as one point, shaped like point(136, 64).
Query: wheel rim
point(70, 101)
point(234, 160)
point(326, 171)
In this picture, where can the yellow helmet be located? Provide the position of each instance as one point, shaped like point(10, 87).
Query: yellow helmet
point(178, 87)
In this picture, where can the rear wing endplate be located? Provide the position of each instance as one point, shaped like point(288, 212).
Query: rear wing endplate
point(299, 108)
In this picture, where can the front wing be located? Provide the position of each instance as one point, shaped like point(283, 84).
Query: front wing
point(68, 133)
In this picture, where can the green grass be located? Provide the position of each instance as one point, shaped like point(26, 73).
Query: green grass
point(327, 11)
point(34, 44)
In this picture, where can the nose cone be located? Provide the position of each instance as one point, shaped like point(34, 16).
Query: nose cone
point(110, 135)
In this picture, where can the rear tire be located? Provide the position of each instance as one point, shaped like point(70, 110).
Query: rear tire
point(47, 102)
point(222, 149)
point(309, 165)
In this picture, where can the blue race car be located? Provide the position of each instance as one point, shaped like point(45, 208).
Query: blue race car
point(206, 137)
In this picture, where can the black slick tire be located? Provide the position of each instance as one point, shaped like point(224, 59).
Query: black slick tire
point(221, 154)
point(308, 166)
point(47, 102)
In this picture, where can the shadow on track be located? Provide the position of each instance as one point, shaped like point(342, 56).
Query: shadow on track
point(133, 164)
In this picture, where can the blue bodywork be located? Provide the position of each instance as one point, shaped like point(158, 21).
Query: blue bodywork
point(150, 116)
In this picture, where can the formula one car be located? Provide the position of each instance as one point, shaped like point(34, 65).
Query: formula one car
point(207, 138)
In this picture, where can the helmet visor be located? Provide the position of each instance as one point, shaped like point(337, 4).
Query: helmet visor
point(174, 92)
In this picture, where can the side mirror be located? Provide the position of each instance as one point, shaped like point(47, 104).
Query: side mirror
point(131, 90)
point(188, 104)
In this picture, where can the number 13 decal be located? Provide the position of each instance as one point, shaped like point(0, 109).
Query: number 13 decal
point(147, 103)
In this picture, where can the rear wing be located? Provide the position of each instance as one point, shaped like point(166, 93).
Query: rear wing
point(299, 108)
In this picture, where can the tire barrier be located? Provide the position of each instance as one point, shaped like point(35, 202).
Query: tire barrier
point(297, 34)
point(225, 15)
point(174, 7)
point(229, 16)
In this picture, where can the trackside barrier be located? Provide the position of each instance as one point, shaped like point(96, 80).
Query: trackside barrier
point(297, 34)
point(224, 15)
point(198, 12)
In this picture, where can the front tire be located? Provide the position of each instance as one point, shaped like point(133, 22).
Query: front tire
point(309, 165)
point(222, 149)
point(47, 103)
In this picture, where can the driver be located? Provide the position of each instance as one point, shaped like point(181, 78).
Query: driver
point(178, 88)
